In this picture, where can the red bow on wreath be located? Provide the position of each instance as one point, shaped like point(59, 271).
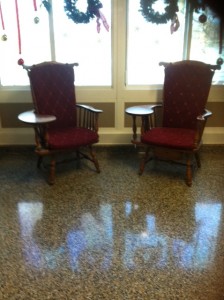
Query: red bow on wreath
point(99, 16)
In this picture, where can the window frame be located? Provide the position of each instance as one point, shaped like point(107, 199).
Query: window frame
point(119, 92)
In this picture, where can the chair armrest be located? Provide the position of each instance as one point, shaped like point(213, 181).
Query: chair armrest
point(207, 113)
point(90, 108)
point(30, 117)
point(201, 122)
point(157, 115)
point(87, 117)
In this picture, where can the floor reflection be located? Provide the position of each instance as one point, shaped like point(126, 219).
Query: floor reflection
point(141, 243)
point(92, 243)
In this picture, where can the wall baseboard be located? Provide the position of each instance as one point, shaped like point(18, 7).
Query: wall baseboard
point(25, 136)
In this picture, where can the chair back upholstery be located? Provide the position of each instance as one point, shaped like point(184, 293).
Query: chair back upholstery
point(186, 88)
point(53, 92)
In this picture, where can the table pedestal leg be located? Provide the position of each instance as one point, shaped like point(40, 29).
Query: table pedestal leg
point(134, 128)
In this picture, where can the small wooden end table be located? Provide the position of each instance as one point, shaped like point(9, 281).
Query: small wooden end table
point(32, 118)
point(143, 111)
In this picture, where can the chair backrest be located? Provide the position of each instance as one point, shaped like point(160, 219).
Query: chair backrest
point(186, 88)
point(53, 92)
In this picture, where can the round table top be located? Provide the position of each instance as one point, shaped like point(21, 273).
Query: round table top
point(140, 110)
point(31, 118)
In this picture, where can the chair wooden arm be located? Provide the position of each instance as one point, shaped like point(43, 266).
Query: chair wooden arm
point(87, 117)
point(201, 122)
point(156, 119)
point(207, 113)
point(88, 107)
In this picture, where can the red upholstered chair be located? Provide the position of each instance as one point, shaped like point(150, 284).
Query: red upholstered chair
point(60, 124)
point(179, 135)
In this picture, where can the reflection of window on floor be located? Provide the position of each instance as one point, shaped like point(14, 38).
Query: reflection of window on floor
point(29, 214)
point(141, 243)
point(91, 242)
point(150, 246)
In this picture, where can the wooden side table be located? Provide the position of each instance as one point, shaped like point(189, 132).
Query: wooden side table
point(38, 122)
point(145, 113)
point(32, 118)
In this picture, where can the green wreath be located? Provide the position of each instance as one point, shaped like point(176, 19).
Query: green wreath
point(47, 5)
point(153, 16)
point(82, 17)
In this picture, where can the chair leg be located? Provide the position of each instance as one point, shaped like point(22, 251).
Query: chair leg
point(94, 159)
point(144, 161)
point(52, 171)
point(197, 157)
point(189, 172)
point(39, 161)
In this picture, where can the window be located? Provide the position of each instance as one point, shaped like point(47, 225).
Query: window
point(148, 44)
point(56, 37)
point(34, 37)
point(205, 42)
point(83, 44)
point(65, 42)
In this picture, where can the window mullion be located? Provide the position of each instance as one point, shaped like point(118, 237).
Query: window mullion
point(187, 31)
point(52, 35)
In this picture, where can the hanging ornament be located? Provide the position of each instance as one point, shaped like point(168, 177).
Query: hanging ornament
point(101, 17)
point(175, 24)
point(18, 25)
point(35, 5)
point(2, 20)
point(4, 37)
point(219, 61)
point(202, 18)
point(20, 62)
point(36, 20)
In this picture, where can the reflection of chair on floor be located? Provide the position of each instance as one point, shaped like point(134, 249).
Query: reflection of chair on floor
point(143, 245)
point(178, 225)
point(177, 221)
point(186, 88)
point(60, 124)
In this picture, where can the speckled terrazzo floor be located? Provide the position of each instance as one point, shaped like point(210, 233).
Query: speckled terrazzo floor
point(113, 235)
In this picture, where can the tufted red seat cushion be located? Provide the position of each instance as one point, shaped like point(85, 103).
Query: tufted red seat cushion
point(178, 138)
point(71, 137)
